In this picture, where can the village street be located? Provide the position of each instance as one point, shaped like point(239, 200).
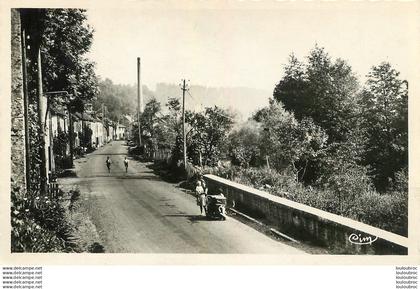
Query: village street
point(137, 212)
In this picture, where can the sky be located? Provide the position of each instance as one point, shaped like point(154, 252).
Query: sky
point(247, 47)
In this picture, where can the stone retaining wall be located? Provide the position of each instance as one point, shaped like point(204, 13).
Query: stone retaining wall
point(302, 222)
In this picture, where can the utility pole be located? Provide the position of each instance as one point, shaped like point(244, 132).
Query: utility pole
point(71, 132)
point(139, 98)
point(103, 114)
point(104, 135)
point(183, 123)
point(26, 110)
point(71, 129)
point(43, 165)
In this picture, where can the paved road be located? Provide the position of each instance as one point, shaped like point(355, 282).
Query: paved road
point(137, 212)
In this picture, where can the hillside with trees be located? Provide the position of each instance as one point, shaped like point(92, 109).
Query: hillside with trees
point(117, 99)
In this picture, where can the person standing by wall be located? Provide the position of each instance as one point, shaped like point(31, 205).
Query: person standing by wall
point(201, 197)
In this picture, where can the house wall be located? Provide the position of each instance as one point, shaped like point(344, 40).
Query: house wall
point(18, 165)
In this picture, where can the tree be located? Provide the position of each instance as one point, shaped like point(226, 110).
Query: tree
point(385, 119)
point(173, 122)
point(244, 145)
point(86, 137)
point(149, 123)
point(65, 41)
point(290, 144)
point(323, 90)
point(292, 90)
point(262, 113)
point(59, 38)
point(118, 100)
point(207, 135)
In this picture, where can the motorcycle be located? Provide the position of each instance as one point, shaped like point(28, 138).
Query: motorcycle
point(216, 207)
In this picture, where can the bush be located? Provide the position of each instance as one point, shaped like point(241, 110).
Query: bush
point(244, 145)
point(400, 183)
point(39, 225)
point(386, 211)
point(79, 152)
point(62, 163)
point(349, 183)
point(28, 236)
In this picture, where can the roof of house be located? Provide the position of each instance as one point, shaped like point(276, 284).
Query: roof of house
point(83, 116)
point(58, 111)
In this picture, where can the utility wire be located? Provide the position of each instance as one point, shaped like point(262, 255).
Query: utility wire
point(201, 104)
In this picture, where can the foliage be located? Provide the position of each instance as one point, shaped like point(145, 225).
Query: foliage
point(367, 137)
point(63, 37)
point(159, 131)
point(367, 127)
point(118, 100)
point(60, 143)
point(74, 197)
point(261, 113)
point(292, 90)
point(34, 154)
point(150, 124)
point(400, 183)
point(28, 236)
point(61, 163)
point(65, 41)
point(287, 141)
point(244, 145)
point(207, 136)
point(384, 103)
point(38, 225)
point(386, 211)
point(86, 137)
point(348, 182)
point(172, 123)
point(322, 90)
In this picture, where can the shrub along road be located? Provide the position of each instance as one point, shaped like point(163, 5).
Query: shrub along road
point(137, 212)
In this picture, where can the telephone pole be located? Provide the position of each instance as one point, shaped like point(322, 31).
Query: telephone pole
point(183, 123)
point(71, 129)
point(26, 108)
point(139, 98)
point(41, 112)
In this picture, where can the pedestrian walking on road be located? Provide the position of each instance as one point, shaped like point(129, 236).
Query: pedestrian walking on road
point(201, 197)
point(108, 164)
point(126, 164)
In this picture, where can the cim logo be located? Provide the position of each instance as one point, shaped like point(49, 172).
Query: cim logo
point(358, 239)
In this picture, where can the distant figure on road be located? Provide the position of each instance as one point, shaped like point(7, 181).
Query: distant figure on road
point(108, 164)
point(201, 197)
point(126, 164)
